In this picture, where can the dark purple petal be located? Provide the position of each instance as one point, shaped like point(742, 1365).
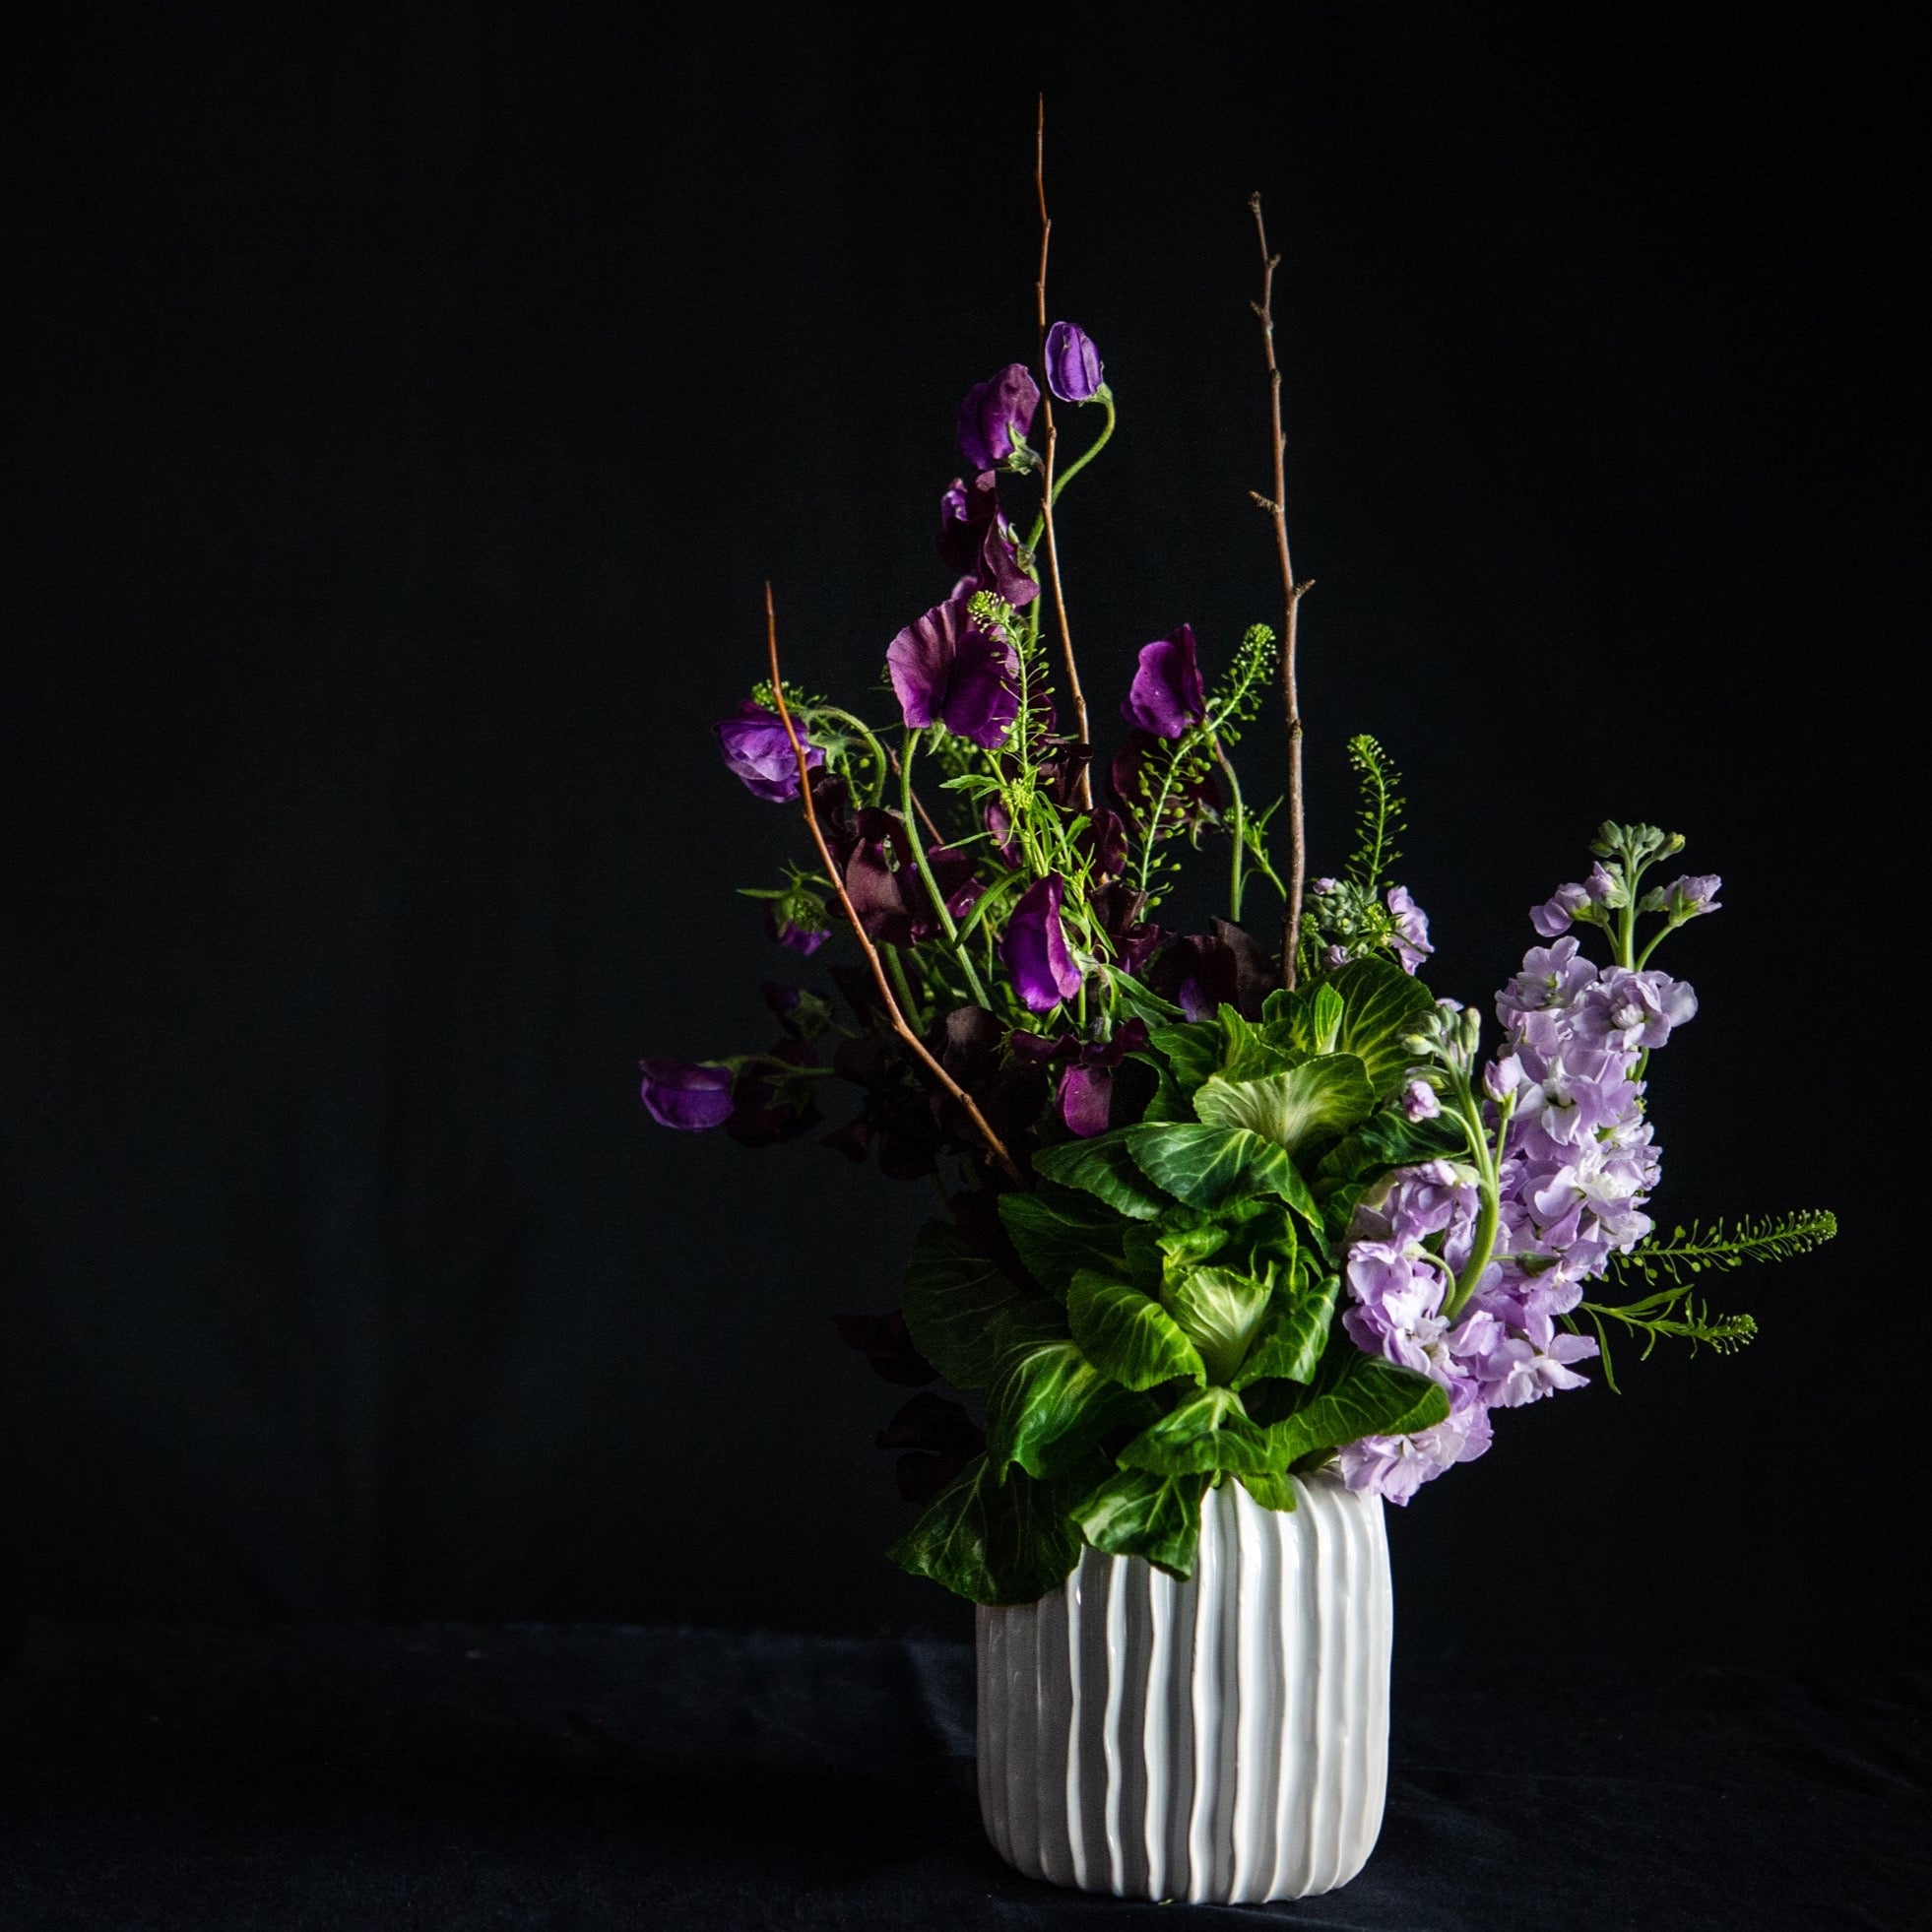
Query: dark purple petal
point(999, 828)
point(761, 1115)
point(1035, 948)
point(1086, 1100)
point(996, 415)
point(1106, 842)
point(1166, 697)
point(758, 753)
point(789, 933)
point(948, 670)
point(678, 1093)
point(977, 541)
point(1072, 364)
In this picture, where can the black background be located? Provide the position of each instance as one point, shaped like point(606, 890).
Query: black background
point(409, 409)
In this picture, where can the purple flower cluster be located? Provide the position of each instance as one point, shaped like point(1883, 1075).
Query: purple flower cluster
point(1578, 1163)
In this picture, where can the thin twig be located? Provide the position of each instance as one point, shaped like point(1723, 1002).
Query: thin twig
point(1073, 690)
point(995, 1146)
point(1292, 594)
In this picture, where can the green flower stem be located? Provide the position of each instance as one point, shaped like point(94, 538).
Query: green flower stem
point(897, 968)
point(1159, 813)
point(1240, 838)
point(951, 931)
point(1066, 476)
point(1488, 1189)
point(881, 762)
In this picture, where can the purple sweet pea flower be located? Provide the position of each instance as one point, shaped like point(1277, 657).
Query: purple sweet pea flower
point(1411, 939)
point(759, 755)
point(1035, 948)
point(678, 1093)
point(789, 933)
point(977, 541)
point(1167, 698)
point(1556, 914)
point(949, 670)
point(1086, 1100)
point(996, 417)
point(1072, 364)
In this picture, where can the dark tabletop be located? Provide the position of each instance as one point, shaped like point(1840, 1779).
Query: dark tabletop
point(592, 1777)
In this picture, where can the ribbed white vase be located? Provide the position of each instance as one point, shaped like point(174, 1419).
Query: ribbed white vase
point(1223, 1740)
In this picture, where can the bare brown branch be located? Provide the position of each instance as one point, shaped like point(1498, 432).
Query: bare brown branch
point(1292, 594)
point(900, 1024)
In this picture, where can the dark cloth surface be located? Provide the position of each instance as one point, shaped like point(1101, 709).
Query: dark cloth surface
point(593, 1778)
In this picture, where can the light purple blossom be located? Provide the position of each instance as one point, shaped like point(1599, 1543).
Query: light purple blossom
point(948, 670)
point(1167, 698)
point(758, 753)
point(1578, 1161)
point(996, 417)
point(1626, 1010)
point(1035, 948)
point(1072, 364)
point(1551, 977)
point(1556, 913)
point(1694, 894)
point(1411, 940)
point(1395, 1467)
point(1419, 1102)
point(681, 1094)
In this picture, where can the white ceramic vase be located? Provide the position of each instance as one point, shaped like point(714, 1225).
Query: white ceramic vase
point(1224, 1740)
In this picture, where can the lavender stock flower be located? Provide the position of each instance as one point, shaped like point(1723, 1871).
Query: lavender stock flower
point(1072, 364)
point(1165, 698)
point(758, 753)
point(1557, 912)
point(1626, 1010)
point(1411, 937)
point(1035, 948)
point(996, 417)
point(681, 1094)
point(948, 670)
point(1694, 894)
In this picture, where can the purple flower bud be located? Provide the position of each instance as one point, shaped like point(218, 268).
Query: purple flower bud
point(1503, 1077)
point(1555, 914)
point(1419, 1102)
point(1072, 364)
point(996, 415)
point(1696, 892)
point(759, 755)
point(789, 933)
point(949, 670)
point(678, 1093)
point(1035, 948)
point(1165, 698)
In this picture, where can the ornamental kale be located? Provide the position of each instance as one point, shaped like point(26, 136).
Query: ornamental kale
point(1215, 1207)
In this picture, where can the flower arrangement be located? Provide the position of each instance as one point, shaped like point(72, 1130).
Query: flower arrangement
point(1213, 1210)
